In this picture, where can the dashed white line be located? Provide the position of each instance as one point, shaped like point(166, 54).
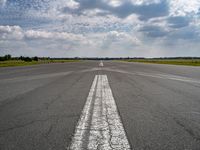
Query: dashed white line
point(100, 126)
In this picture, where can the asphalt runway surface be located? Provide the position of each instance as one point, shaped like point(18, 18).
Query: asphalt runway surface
point(100, 105)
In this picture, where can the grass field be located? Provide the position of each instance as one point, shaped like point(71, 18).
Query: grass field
point(12, 63)
point(187, 62)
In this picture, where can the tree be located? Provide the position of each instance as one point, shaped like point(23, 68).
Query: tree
point(27, 59)
point(35, 58)
point(7, 57)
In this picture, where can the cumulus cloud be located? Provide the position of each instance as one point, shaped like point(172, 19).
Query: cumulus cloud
point(100, 26)
point(72, 4)
point(123, 9)
point(17, 33)
point(11, 33)
point(69, 41)
point(32, 34)
point(2, 3)
point(183, 7)
point(141, 2)
point(114, 3)
point(120, 38)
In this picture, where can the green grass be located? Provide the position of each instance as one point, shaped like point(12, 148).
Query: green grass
point(13, 63)
point(186, 62)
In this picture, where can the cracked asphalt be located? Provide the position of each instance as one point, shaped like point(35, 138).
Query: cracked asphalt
point(159, 105)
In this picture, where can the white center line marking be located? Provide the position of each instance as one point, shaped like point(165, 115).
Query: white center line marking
point(101, 64)
point(100, 126)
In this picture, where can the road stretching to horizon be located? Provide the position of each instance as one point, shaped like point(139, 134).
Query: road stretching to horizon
point(100, 105)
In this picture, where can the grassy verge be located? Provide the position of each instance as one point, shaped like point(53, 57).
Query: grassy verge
point(187, 62)
point(13, 63)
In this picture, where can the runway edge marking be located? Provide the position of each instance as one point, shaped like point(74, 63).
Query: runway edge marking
point(100, 126)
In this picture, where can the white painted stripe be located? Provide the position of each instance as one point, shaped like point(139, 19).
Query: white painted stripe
point(100, 126)
point(101, 64)
point(83, 123)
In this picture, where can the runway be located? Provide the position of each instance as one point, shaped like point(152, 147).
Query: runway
point(100, 105)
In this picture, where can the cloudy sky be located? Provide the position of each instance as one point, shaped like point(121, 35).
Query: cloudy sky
point(102, 28)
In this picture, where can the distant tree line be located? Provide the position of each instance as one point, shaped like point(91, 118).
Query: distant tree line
point(28, 59)
point(6, 57)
